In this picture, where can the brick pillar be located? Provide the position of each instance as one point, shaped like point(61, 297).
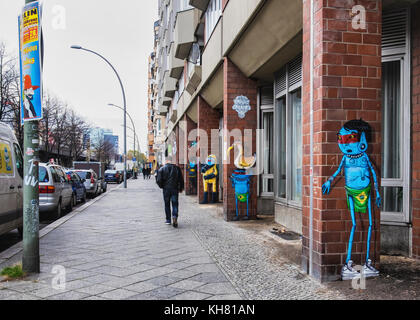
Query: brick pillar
point(178, 149)
point(189, 125)
point(237, 84)
point(415, 118)
point(347, 85)
point(208, 120)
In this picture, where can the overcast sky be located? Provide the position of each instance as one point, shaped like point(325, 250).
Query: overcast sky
point(122, 31)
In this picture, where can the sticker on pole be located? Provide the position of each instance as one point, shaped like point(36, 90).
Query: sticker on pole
point(30, 62)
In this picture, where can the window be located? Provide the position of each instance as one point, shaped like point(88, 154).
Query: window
point(396, 102)
point(6, 160)
point(266, 105)
point(43, 174)
point(213, 12)
point(288, 137)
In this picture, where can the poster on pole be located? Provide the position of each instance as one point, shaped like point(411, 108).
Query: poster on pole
point(30, 62)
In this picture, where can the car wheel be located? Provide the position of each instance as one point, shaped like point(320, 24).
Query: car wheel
point(69, 208)
point(20, 230)
point(74, 200)
point(84, 198)
point(58, 212)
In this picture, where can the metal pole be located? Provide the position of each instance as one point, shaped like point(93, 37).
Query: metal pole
point(125, 108)
point(30, 253)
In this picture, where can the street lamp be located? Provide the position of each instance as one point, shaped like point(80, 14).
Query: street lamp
point(132, 122)
point(125, 107)
point(135, 137)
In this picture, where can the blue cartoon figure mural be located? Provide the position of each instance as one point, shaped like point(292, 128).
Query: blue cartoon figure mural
point(353, 141)
point(241, 181)
point(192, 170)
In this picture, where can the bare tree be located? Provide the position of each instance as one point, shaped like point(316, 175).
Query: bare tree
point(76, 128)
point(104, 151)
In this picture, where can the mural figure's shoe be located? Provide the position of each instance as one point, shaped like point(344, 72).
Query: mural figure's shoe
point(245, 218)
point(206, 198)
point(236, 218)
point(369, 271)
point(214, 198)
point(348, 272)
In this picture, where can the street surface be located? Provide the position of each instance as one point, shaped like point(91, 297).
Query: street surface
point(120, 248)
point(9, 239)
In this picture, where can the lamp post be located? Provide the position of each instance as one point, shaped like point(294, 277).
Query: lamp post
point(135, 137)
point(132, 122)
point(125, 107)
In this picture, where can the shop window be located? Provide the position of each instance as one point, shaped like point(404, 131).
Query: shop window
point(395, 169)
point(288, 134)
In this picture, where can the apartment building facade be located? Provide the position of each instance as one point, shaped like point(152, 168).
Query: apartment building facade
point(306, 68)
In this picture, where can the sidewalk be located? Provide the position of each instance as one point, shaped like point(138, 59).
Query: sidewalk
point(120, 248)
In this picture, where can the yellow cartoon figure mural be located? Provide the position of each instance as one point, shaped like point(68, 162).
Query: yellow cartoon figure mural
point(6, 165)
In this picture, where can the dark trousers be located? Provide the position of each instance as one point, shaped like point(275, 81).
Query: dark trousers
point(170, 196)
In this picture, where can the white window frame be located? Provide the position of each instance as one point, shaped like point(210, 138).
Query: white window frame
point(404, 56)
point(213, 13)
point(290, 89)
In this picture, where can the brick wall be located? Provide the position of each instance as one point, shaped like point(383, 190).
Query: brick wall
point(237, 84)
point(347, 85)
point(208, 119)
point(416, 130)
point(189, 126)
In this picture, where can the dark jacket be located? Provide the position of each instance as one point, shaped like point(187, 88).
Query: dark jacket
point(170, 177)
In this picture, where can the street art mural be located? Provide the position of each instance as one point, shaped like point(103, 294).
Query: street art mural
point(192, 170)
point(353, 141)
point(241, 181)
point(210, 175)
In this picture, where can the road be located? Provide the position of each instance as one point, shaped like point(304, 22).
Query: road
point(9, 239)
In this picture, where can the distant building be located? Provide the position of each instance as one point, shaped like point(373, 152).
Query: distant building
point(113, 140)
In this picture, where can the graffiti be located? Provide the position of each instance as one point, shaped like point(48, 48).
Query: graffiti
point(32, 215)
point(353, 141)
point(30, 179)
point(241, 106)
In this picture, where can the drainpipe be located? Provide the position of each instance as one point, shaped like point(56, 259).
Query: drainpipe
point(311, 169)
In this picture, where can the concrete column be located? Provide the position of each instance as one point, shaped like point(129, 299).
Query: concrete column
point(237, 84)
point(346, 85)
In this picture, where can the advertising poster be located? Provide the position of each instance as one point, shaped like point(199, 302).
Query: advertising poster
point(30, 62)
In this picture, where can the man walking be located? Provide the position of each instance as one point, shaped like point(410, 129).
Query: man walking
point(170, 179)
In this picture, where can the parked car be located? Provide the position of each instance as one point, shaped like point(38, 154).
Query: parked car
point(79, 189)
point(113, 176)
point(97, 167)
point(11, 181)
point(55, 190)
point(92, 183)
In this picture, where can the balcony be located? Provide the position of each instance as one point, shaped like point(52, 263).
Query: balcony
point(163, 110)
point(195, 79)
point(200, 4)
point(184, 37)
point(169, 86)
point(176, 65)
point(174, 116)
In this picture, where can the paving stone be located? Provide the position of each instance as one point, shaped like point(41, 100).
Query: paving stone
point(158, 294)
point(225, 297)
point(95, 289)
point(191, 295)
point(141, 287)
point(118, 294)
point(70, 295)
point(187, 284)
point(217, 288)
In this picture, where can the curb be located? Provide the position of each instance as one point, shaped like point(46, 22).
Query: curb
point(18, 247)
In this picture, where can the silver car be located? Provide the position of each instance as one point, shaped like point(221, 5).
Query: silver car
point(55, 190)
point(91, 181)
